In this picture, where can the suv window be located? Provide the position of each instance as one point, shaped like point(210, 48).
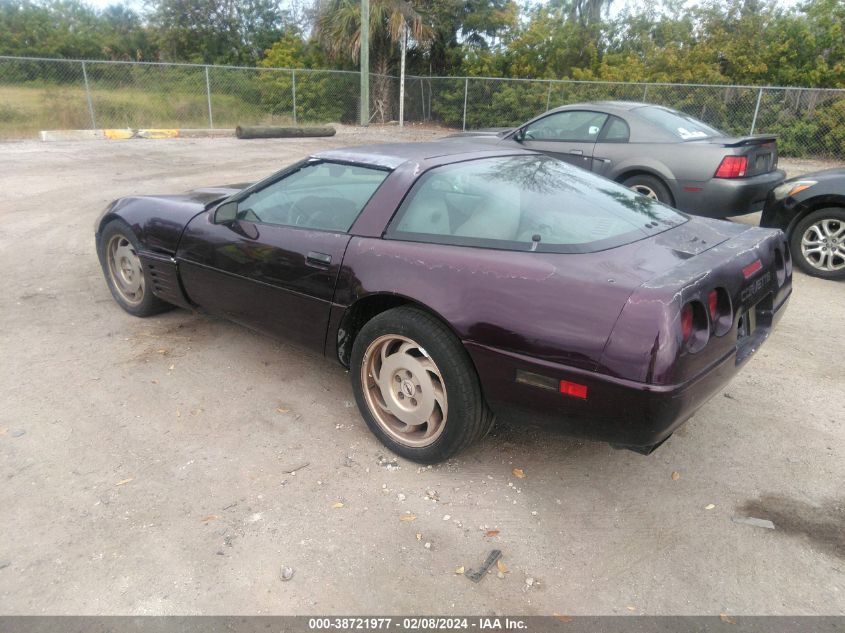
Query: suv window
point(573, 125)
point(319, 195)
point(528, 203)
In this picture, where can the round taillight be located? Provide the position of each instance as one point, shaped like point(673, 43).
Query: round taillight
point(695, 329)
point(721, 313)
point(686, 322)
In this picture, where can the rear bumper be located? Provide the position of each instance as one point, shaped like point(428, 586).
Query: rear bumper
point(726, 197)
point(622, 412)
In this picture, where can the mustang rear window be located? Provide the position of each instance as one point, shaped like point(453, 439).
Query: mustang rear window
point(526, 203)
point(684, 127)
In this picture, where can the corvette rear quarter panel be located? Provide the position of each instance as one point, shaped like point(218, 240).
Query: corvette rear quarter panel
point(557, 307)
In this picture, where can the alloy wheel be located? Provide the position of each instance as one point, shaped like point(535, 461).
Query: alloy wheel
point(648, 192)
point(823, 245)
point(404, 390)
point(125, 269)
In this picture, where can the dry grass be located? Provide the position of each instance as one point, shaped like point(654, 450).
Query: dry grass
point(25, 110)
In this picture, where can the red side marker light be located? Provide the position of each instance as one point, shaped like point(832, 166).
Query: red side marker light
point(713, 303)
point(693, 189)
point(573, 389)
point(752, 268)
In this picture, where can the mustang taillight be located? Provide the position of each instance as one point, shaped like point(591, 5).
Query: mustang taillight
point(713, 304)
point(732, 167)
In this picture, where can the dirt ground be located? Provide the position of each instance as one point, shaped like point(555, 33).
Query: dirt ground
point(174, 465)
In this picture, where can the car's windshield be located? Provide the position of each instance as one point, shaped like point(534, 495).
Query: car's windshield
point(527, 202)
point(677, 123)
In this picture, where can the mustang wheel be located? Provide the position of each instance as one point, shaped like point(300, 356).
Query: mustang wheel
point(416, 387)
point(818, 243)
point(650, 187)
point(125, 275)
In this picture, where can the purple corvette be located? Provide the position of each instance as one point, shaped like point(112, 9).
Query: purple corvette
point(460, 283)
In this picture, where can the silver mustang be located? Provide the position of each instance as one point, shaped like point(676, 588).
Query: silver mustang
point(659, 152)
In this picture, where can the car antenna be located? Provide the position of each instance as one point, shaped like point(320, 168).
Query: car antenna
point(535, 241)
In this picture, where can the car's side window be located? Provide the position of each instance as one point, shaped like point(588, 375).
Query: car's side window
point(320, 195)
point(573, 125)
point(616, 131)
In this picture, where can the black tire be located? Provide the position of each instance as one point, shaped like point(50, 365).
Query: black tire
point(648, 185)
point(467, 418)
point(811, 265)
point(146, 304)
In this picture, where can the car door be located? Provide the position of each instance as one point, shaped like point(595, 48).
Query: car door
point(612, 145)
point(270, 259)
point(569, 135)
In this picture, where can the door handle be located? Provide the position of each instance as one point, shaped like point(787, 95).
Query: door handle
point(319, 259)
point(577, 152)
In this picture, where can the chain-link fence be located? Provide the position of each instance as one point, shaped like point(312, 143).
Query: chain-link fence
point(50, 94)
point(809, 122)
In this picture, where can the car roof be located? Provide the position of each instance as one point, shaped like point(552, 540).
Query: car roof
point(625, 106)
point(392, 155)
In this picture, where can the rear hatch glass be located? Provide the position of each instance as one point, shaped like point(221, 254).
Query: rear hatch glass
point(527, 202)
point(680, 125)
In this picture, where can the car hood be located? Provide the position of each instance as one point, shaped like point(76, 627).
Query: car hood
point(498, 132)
point(837, 173)
point(158, 220)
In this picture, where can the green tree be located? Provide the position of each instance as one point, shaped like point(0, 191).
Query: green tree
point(216, 31)
point(339, 31)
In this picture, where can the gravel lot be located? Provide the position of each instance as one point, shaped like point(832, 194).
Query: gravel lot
point(174, 465)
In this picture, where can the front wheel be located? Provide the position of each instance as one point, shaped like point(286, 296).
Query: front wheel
point(127, 279)
point(818, 243)
point(416, 387)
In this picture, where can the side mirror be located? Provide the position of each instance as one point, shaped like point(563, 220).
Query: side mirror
point(519, 135)
point(226, 212)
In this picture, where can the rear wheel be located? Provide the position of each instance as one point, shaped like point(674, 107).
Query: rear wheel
point(650, 187)
point(416, 387)
point(126, 277)
point(818, 243)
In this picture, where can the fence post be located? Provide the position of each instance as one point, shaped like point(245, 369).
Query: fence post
point(645, 93)
point(422, 97)
point(756, 110)
point(466, 90)
point(402, 77)
point(88, 96)
point(549, 96)
point(208, 95)
point(293, 91)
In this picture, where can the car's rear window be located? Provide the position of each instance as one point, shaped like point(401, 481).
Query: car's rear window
point(526, 202)
point(683, 126)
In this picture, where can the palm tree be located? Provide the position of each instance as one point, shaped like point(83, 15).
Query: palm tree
point(392, 22)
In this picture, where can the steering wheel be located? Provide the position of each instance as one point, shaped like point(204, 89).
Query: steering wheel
point(299, 217)
point(295, 215)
